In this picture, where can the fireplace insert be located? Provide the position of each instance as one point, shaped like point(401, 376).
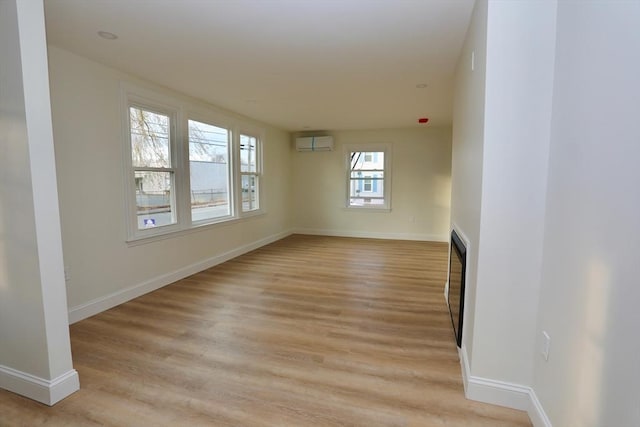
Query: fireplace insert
point(455, 296)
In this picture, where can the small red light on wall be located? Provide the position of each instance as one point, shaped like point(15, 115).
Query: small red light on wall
point(423, 120)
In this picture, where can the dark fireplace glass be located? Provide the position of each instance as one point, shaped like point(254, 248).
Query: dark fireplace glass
point(457, 267)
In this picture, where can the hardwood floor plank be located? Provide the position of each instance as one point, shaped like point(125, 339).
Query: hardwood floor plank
point(307, 331)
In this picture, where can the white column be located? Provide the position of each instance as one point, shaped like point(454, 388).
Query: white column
point(35, 351)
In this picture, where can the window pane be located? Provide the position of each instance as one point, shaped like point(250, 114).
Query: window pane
point(366, 179)
point(248, 158)
point(154, 200)
point(371, 160)
point(209, 171)
point(149, 138)
point(369, 189)
point(249, 193)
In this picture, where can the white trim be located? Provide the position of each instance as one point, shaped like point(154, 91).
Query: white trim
point(259, 135)
point(469, 248)
point(460, 234)
point(144, 100)
point(196, 228)
point(536, 412)
point(446, 290)
point(464, 365)
point(39, 389)
point(387, 149)
point(373, 235)
point(498, 392)
point(101, 304)
point(180, 111)
point(502, 393)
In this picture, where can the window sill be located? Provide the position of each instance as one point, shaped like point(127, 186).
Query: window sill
point(138, 241)
point(367, 209)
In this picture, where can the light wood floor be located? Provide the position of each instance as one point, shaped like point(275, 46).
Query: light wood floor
point(308, 331)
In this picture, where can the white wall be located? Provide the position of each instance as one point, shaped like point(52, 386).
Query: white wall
point(590, 294)
point(517, 115)
point(467, 148)
point(420, 189)
point(500, 151)
point(35, 352)
point(558, 236)
point(103, 270)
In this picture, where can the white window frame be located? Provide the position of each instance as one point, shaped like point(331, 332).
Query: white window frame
point(258, 174)
point(221, 123)
point(386, 148)
point(174, 153)
point(180, 112)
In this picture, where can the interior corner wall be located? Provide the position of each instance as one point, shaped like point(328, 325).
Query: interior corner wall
point(502, 112)
point(420, 187)
point(517, 116)
point(590, 294)
point(467, 149)
point(103, 269)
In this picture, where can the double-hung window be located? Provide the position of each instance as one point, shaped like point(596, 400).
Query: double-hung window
point(249, 172)
point(209, 171)
point(184, 170)
point(152, 139)
point(368, 177)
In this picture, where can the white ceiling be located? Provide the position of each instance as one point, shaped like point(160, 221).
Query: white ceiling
point(296, 64)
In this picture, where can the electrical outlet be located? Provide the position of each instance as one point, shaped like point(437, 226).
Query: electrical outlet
point(546, 343)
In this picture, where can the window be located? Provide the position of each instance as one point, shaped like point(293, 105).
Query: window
point(250, 178)
point(153, 171)
point(209, 170)
point(183, 171)
point(368, 178)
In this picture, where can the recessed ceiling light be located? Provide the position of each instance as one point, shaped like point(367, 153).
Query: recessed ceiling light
point(107, 35)
point(421, 85)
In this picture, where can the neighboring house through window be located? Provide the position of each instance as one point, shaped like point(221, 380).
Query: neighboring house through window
point(368, 177)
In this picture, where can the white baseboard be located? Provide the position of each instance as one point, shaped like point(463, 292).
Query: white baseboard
point(374, 235)
point(536, 412)
point(502, 393)
point(101, 304)
point(44, 391)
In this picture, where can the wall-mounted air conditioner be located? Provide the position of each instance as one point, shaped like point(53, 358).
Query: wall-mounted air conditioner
point(314, 143)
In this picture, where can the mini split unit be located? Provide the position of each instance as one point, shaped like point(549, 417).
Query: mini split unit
point(314, 143)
